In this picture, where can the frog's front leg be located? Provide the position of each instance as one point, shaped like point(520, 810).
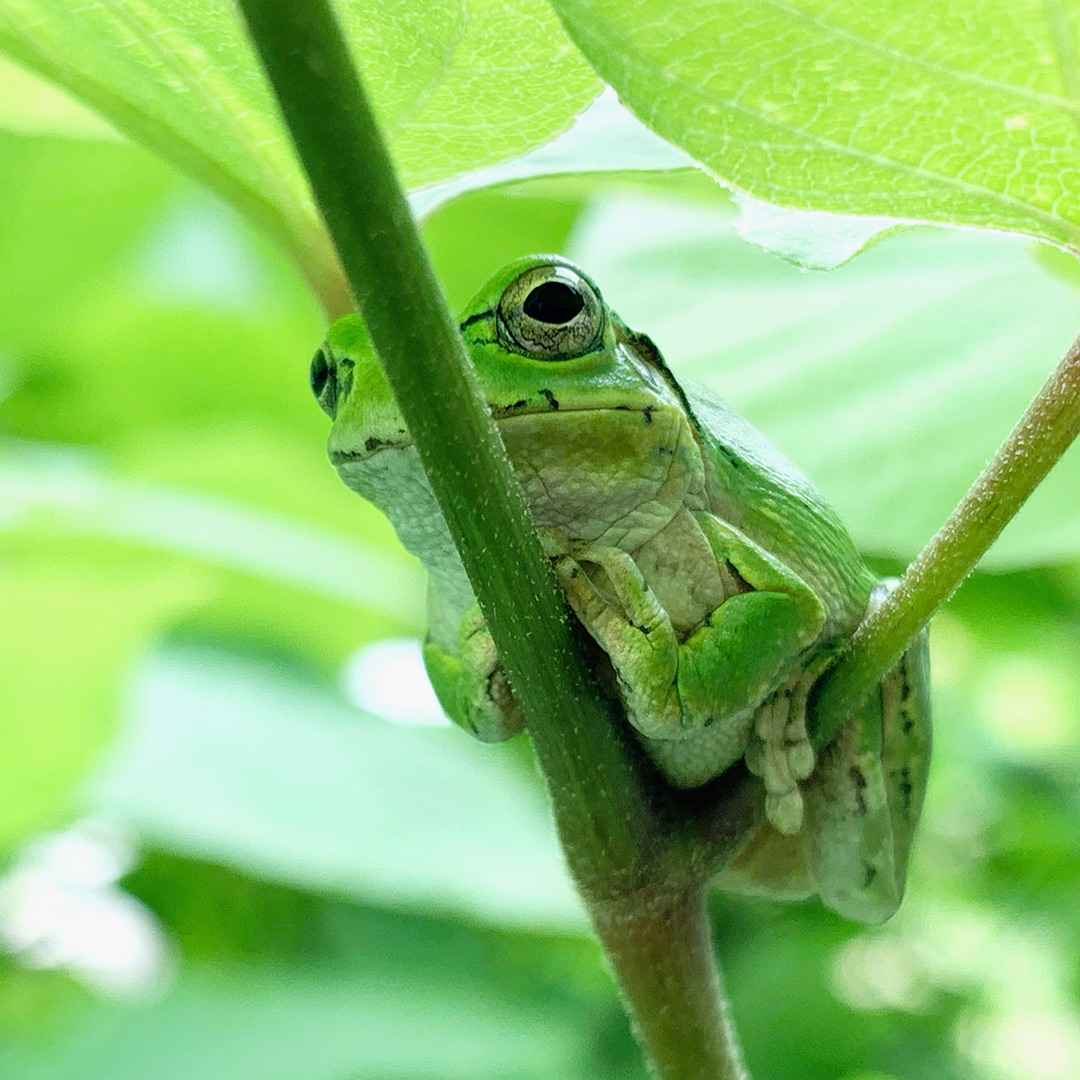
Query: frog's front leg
point(864, 799)
point(610, 597)
point(694, 700)
point(470, 683)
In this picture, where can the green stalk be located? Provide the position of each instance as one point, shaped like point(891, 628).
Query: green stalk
point(662, 953)
point(1043, 434)
point(610, 810)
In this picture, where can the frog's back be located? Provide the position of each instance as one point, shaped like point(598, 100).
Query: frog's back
point(754, 487)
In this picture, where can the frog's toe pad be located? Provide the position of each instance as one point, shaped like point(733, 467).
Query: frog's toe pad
point(785, 811)
point(783, 802)
point(800, 759)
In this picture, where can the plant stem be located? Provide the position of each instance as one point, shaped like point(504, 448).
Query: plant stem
point(661, 949)
point(611, 812)
point(1043, 434)
point(425, 361)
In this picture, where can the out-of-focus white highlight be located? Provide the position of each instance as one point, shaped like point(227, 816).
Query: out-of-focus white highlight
point(1021, 1024)
point(1024, 1044)
point(60, 908)
point(1027, 704)
point(871, 973)
point(387, 678)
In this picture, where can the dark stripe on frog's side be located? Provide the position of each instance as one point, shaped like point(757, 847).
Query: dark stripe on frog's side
point(553, 403)
point(646, 348)
point(907, 721)
point(479, 317)
point(859, 781)
point(905, 788)
point(372, 443)
point(646, 415)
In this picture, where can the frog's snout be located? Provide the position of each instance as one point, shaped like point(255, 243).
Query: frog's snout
point(330, 379)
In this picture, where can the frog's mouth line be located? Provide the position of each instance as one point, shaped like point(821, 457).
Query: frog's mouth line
point(372, 447)
point(500, 413)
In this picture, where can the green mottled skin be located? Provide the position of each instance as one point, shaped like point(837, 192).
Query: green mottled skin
point(708, 569)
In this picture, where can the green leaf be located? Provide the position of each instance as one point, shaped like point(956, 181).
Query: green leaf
point(278, 580)
point(248, 765)
point(32, 106)
point(71, 625)
point(457, 86)
point(72, 212)
point(138, 315)
point(890, 381)
point(235, 1022)
point(962, 113)
point(605, 138)
point(813, 239)
point(55, 492)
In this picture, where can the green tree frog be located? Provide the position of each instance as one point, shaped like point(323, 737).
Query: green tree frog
point(714, 578)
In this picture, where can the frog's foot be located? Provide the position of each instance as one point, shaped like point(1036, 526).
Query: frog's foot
point(471, 684)
point(864, 799)
point(780, 753)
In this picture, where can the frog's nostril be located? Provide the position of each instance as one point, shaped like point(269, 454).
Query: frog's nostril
point(554, 302)
point(324, 383)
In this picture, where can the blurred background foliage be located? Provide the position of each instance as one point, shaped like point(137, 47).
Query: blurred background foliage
point(237, 842)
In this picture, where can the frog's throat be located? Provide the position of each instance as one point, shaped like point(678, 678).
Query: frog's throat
point(500, 413)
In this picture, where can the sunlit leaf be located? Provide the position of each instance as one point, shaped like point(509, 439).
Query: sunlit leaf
point(248, 765)
point(32, 106)
point(456, 87)
point(605, 138)
point(234, 1022)
point(71, 628)
point(814, 239)
point(961, 113)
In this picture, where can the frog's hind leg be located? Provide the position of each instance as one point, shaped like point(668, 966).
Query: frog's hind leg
point(864, 798)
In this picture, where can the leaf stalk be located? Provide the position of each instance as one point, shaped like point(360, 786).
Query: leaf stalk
point(1045, 431)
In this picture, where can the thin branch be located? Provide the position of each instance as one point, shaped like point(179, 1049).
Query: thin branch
point(1043, 434)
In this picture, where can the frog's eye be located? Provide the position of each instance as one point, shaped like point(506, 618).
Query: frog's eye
point(324, 383)
point(550, 313)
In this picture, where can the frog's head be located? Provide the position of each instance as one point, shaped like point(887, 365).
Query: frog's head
point(586, 407)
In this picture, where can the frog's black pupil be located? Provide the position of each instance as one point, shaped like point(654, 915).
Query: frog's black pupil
point(320, 372)
point(324, 383)
point(553, 302)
